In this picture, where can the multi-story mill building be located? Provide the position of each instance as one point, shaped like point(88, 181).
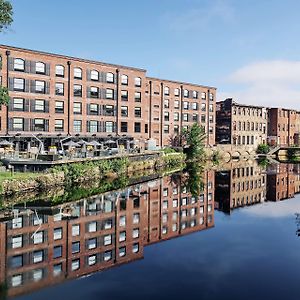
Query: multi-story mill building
point(54, 95)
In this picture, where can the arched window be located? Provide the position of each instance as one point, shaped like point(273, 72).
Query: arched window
point(77, 73)
point(195, 94)
point(19, 64)
point(167, 90)
point(186, 93)
point(40, 68)
point(94, 75)
point(124, 79)
point(60, 71)
point(176, 92)
point(138, 81)
point(110, 77)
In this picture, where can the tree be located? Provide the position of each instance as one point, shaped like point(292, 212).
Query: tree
point(6, 13)
point(194, 140)
point(4, 97)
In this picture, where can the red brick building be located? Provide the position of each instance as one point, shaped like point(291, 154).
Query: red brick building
point(56, 96)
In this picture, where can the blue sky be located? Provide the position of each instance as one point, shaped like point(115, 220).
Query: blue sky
point(248, 49)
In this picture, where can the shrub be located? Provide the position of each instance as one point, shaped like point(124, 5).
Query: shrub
point(263, 149)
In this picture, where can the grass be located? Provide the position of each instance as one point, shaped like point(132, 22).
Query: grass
point(17, 175)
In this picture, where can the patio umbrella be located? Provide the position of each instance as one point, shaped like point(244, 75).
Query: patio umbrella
point(94, 143)
point(71, 144)
point(5, 143)
point(81, 142)
point(110, 142)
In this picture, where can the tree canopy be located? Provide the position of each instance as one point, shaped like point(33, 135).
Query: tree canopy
point(6, 13)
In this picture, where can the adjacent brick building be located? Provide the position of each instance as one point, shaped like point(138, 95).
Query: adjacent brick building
point(240, 124)
point(55, 96)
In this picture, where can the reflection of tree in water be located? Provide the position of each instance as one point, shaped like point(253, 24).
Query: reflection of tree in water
point(298, 223)
point(191, 178)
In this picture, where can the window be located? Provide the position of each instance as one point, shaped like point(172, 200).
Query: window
point(39, 125)
point(124, 126)
point(211, 107)
point(38, 256)
point(18, 104)
point(40, 86)
point(17, 241)
point(211, 96)
point(166, 116)
point(77, 108)
point(94, 109)
point(135, 233)
point(18, 123)
point(194, 105)
point(175, 203)
point(176, 129)
point(124, 111)
point(75, 247)
point(57, 234)
point(57, 269)
point(94, 92)
point(77, 125)
point(203, 119)
point(19, 84)
point(166, 103)
point(138, 81)
point(122, 251)
point(165, 204)
point(107, 240)
point(195, 94)
point(166, 129)
point(124, 79)
point(57, 251)
point(109, 126)
point(92, 260)
point(93, 126)
point(137, 96)
point(195, 118)
point(19, 64)
point(16, 261)
point(109, 94)
point(94, 75)
point(59, 125)
point(59, 89)
point(122, 236)
point(77, 73)
point(167, 91)
point(124, 95)
point(186, 93)
point(107, 255)
point(137, 112)
point(92, 243)
point(203, 106)
point(38, 238)
point(110, 78)
point(75, 264)
point(39, 105)
point(122, 221)
point(92, 227)
point(203, 95)
point(40, 68)
point(109, 110)
point(77, 90)
point(16, 280)
point(108, 224)
point(135, 248)
point(176, 116)
point(137, 127)
point(185, 117)
point(185, 105)
point(176, 92)
point(59, 107)
point(136, 218)
point(37, 275)
point(75, 230)
point(59, 71)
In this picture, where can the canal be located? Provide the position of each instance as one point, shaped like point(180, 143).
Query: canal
point(230, 232)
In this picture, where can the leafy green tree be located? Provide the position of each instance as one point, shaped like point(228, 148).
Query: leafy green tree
point(263, 149)
point(4, 97)
point(6, 13)
point(194, 140)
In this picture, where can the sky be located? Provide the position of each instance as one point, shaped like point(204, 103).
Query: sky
point(248, 49)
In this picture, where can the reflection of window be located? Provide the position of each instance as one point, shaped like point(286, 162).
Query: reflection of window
point(17, 241)
point(122, 236)
point(107, 240)
point(75, 264)
point(75, 230)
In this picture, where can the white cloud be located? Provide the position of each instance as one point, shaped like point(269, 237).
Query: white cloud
point(198, 18)
point(269, 83)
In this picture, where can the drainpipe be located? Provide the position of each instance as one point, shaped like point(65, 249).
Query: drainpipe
point(161, 114)
point(69, 96)
point(117, 105)
point(181, 106)
point(207, 116)
point(7, 85)
point(150, 111)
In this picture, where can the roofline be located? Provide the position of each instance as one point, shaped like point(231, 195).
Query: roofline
point(182, 82)
point(69, 57)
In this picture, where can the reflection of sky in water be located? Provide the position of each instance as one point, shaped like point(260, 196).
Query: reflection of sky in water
point(247, 255)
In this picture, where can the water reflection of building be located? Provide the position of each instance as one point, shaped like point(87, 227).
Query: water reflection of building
point(239, 186)
point(283, 181)
point(79, 238)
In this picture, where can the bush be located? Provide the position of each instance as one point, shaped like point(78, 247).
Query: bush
point(263, 149)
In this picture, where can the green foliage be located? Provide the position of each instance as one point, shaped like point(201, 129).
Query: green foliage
point(263, 149)
point(174, 160)
point(6, 13)
point(167, 150)
point(263, 163)
point(4, 97)
point(194, 137)
point(293, 154)
point(195, 182)
point(216, 157)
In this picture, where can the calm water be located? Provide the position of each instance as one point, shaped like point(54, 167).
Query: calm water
point(237, 239)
